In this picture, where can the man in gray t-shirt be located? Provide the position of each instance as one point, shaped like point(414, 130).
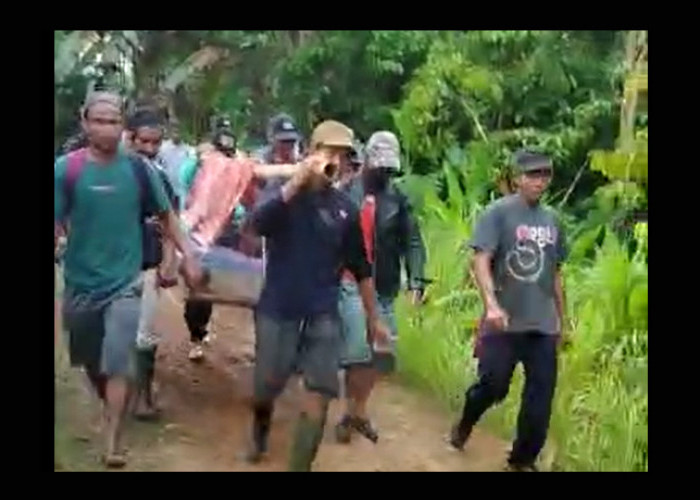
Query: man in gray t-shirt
point(519, 247)
point(526, 248)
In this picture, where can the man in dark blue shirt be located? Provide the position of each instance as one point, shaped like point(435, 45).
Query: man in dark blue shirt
point(313, 233)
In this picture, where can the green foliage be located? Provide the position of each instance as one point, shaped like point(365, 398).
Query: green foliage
point(551, 91)
point(447, 89)
point(623, 165)
point(353, 76)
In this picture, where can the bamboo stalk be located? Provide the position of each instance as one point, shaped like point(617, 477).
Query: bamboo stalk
point(270, 171)
point(573, 184)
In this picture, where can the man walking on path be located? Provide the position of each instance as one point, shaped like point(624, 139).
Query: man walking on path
point(197, 311)
point(313, 232)
point(145, 136)
point(519, 248)
point(102, 195)
point(391, 234)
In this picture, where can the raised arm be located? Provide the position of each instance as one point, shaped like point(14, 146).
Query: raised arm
point(273, 206)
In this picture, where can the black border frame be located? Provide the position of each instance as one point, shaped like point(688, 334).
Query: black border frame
point(27, 325)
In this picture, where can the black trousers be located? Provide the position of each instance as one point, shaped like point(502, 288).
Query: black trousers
point(500, 354)
point(197, 316)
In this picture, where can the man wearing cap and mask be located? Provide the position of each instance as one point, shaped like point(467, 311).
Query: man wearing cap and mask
point(391, 235)
point(283, 139)
point(198, 312)
point(519, 249)
point(101, 196)
point(313, 232)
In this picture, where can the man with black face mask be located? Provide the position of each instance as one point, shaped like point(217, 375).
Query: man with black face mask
point(391, 234)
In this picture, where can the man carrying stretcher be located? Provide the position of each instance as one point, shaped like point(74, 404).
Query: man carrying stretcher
point(222, 194)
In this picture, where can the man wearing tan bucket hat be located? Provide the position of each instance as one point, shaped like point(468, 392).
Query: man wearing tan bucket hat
point(313, 232)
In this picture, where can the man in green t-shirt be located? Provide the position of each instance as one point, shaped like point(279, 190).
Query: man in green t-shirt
point(102, 210)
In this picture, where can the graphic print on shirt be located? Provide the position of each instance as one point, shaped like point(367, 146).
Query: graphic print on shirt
point(103, 188)
point(525, 261)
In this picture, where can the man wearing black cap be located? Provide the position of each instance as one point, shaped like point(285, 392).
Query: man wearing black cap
point(283, 138)
point(198, 312)
point(519, 248)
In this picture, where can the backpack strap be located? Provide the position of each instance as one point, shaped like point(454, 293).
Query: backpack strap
point(76, 162)
point(146, 196)
point(167, 185)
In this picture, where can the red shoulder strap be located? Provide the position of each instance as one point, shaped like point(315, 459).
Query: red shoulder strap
point(76, 161)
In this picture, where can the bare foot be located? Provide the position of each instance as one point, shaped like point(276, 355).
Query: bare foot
point(115, 455)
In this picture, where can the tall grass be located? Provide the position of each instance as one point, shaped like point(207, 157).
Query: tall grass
point(600, 412)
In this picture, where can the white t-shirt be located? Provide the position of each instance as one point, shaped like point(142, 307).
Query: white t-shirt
point(173, 156)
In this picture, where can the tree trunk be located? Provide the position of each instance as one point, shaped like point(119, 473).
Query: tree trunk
point(636, 55)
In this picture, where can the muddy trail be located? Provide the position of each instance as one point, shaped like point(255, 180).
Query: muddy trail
point(206, 419)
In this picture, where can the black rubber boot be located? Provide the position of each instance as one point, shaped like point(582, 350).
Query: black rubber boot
point(343, 430)
point(145, 372)
point(262, 418)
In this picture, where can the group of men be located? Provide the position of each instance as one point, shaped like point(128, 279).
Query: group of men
point(336, 233)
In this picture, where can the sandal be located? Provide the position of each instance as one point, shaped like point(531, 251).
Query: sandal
point(196, 353)
point(364, 427)
point(151, 415)
point(114, 460)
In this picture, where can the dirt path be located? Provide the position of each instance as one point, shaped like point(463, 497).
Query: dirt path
point(207, 422)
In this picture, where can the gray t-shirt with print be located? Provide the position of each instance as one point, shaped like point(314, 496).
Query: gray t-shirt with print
point(527, 247)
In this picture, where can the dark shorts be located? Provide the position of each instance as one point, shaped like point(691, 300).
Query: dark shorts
point(310, 347)
point(102, 336)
